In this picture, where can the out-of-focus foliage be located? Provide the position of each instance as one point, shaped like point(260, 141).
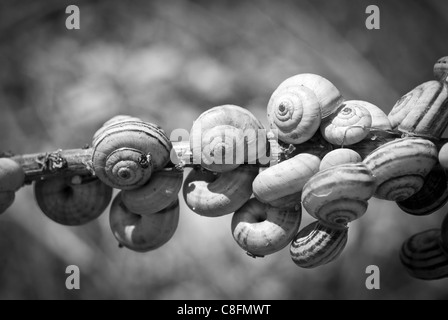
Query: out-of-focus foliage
point(166, 62)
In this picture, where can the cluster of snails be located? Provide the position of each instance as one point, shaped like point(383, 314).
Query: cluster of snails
point(324, 166)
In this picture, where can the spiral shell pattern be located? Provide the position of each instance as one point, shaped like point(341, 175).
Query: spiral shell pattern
point(379, 118)
point(339, 156)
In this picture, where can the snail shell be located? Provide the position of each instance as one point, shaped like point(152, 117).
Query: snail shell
point(216, 194)
point(423, 257)
point(127, 152)
point(6, 200)
point(423, 111)
point(339, 156)
point(318, 244)
point(400, 167)
point(339, 195)
point(286, 178)
point(224, 137)
point(114, 120)
point(261, 229)
point(443, 156)
point(348, 125)
point(431, 197)
point(379, 118)
point(12, 175)
point(143, 233)
point(441, 69)
point(444, 234)
point(289, 201)
point(161, 190)
point(327, 94)
point(295, 113)
point(72, 204)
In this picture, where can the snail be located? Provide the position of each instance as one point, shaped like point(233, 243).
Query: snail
point(338, 195)
point(318, 244)
point(285, 179)
point(12, 175)
point(161, 190)
point(400, 167)
point(431, 197)
point(224, 137)
point(6, 200)
point(423, 111)
point(295, 112)
point(444, 234)
point(126, 153)
point(72, 201)
point(379, 118)
point(423, 257)
point(261, 229)
point(143, 233)
point(443, 156)
point(114, 120)
point(349, 124)
point(339, 156)
point(441, 69)
point(215, 194)
point(327, 94)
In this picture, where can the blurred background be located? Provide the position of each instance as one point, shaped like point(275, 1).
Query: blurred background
point(166, 62)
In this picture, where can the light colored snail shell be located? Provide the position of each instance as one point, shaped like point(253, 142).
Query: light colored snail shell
point(327, 94)
point(224, 137)
point(261, 229)
point(443, 156)
point(158, 193)
point(444, 234)
point(72, 204)
point(441, 69)
point(286, 178)
point(400, 167)
point(379, 118)
point(339, 156)
point(114, 120)
point(6, 200)
point(423, 257)
point(339, 195)
point(216, 194)
point(12, 175)
point(289, 201)
point(423, 111)
point(127, 152)
point(431, 197)
point(318, 244)
point(295, 112)
point(348, 125)
point(143, 233)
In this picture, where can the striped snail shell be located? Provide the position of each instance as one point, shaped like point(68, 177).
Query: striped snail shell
point(261, 229)
point(285, 179)
point(224, 137)
point(379, 118)
point(114, 120)
point(216, 194)
point(68, 202)
point(6, 200)
point(289, 201)
point(338, 195)
point(400, 167)
point(441, 69)
point(349, 124)
point(339, 156)
point(318, 244)
point(158, 193)
point(12, 175)
point(327, 94)
point(127, 152)
point(423, 111)
point(431, 197)
point(143, 233)
point(443, 156)
point(295, 112)
point(423, 257)
point(444, 234)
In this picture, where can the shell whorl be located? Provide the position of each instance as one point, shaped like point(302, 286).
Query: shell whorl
point(339, 195)
point(260, 229)
point(348, 125)
point(339, 156)
point(213, 195)
point(12, 175)
point(400, 167)
point(379, 118)
point(295, 112)
point(318, 244)
point(72, 204)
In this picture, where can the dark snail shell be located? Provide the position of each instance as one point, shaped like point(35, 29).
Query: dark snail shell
point(127, 152)
point(423, 257)
point(6, 200)
point(72, 204)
